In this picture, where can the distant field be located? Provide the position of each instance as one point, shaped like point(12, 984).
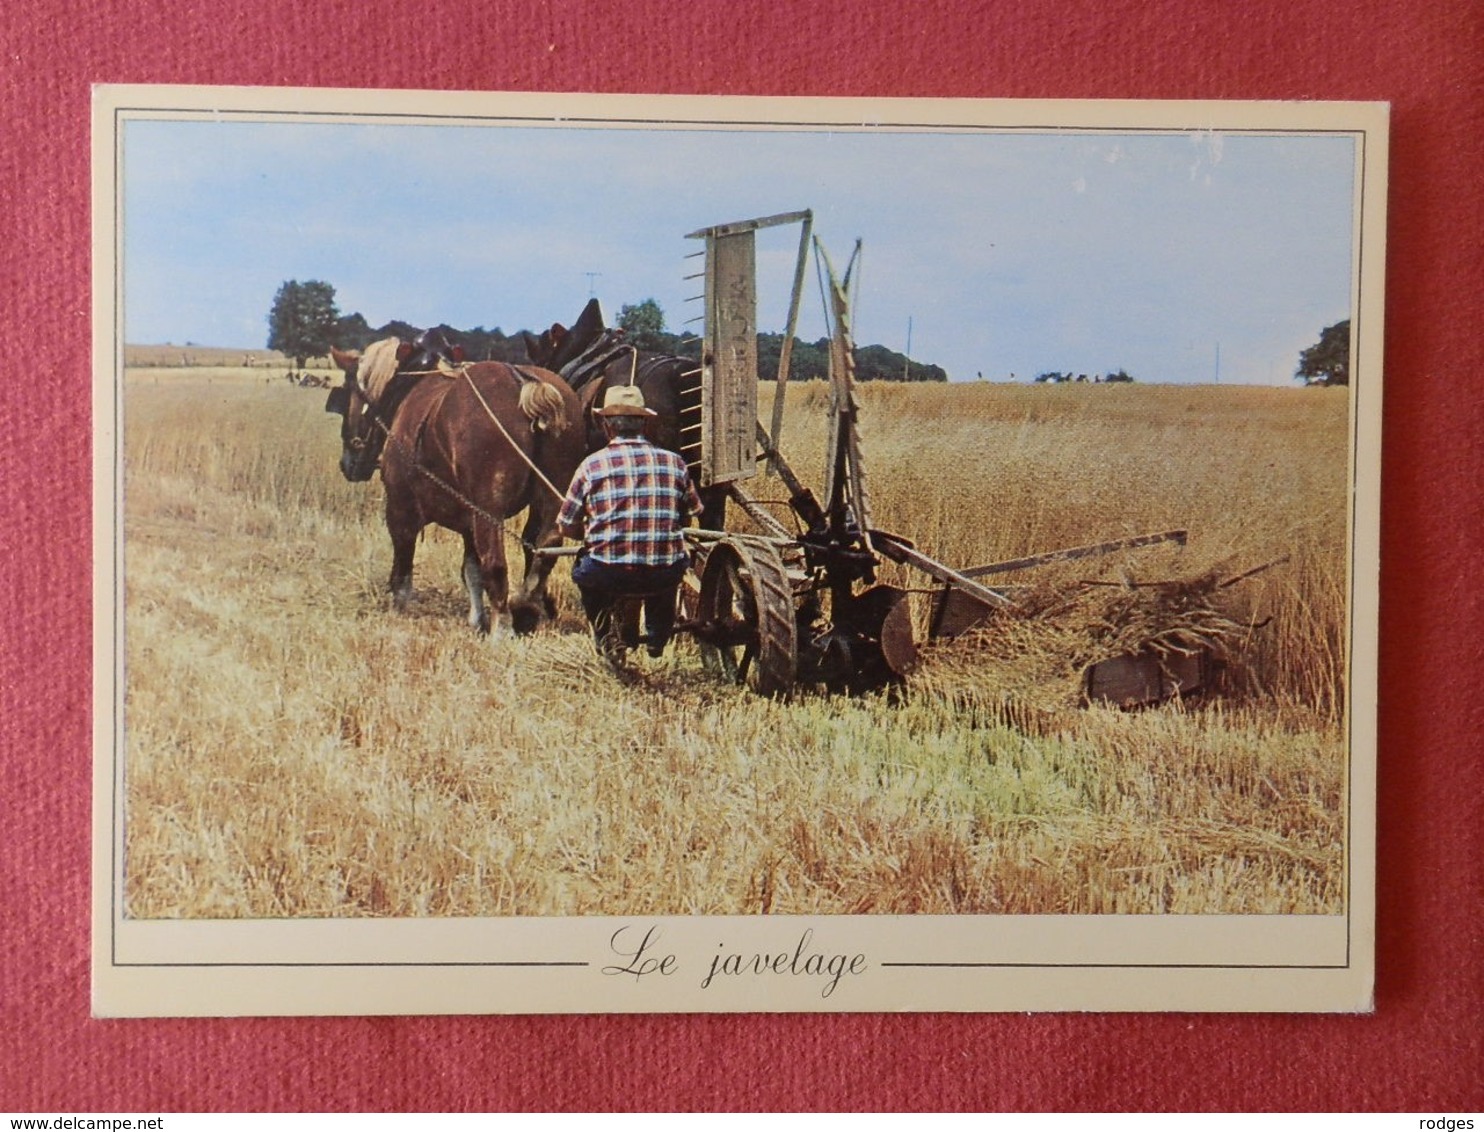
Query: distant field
point(296, 749)
point(194, 357)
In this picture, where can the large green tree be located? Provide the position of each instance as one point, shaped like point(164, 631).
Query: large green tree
point(643, 324)
point(1327, 362)
point(302, 322)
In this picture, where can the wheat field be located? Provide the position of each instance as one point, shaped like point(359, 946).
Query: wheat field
point(293, 748)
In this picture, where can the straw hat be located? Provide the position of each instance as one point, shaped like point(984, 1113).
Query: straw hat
point(624, 401)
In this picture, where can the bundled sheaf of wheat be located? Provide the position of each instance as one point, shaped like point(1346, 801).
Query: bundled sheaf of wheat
point(1184, 616)
point(1034, 652)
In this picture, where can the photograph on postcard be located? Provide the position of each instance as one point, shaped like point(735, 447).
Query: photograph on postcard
point(748, 525)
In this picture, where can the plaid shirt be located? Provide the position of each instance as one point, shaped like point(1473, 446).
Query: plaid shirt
point(631, 499)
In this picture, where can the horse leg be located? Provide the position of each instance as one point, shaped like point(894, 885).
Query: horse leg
point(404, 546)
point(533, 599)
point(479, 618)
point(489, 549)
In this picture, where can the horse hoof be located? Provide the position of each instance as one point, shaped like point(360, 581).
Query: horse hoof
point(524, 619)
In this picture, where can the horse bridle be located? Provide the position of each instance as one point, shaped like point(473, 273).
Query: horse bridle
point(373, 407)
point(361, 439)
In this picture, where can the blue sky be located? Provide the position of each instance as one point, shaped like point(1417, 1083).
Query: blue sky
point(1008, 253)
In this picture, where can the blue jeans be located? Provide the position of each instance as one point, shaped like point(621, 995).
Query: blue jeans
point(601, 583)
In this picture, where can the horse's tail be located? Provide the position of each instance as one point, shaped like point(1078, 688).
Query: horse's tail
point(541, 402)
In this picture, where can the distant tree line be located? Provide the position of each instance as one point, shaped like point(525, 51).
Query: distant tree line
point(304, 322)
point(644, 324)
point(1057, 377)
point(1326, 362)
point(808, 359)
point(353, 332)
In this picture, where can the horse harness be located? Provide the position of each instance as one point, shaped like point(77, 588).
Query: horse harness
point(594, 358)
point(414, 456)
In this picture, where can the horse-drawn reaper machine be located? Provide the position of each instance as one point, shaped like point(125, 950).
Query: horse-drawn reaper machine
point(779, 607)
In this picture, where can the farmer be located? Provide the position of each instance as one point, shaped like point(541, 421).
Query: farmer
point(628, 503)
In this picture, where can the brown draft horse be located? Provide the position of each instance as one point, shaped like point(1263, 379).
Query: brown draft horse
point(591, 357)
point(461, 447)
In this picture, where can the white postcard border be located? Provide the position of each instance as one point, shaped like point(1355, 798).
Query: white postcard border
point(633, 964)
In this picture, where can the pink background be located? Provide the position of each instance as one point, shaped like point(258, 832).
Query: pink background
point(1421, 1051)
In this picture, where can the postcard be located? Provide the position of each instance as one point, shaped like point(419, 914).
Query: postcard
point(574, 553)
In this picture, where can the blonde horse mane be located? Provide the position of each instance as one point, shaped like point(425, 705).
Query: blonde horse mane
point(539, 400)
point(541, 403)
point(377, 367)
